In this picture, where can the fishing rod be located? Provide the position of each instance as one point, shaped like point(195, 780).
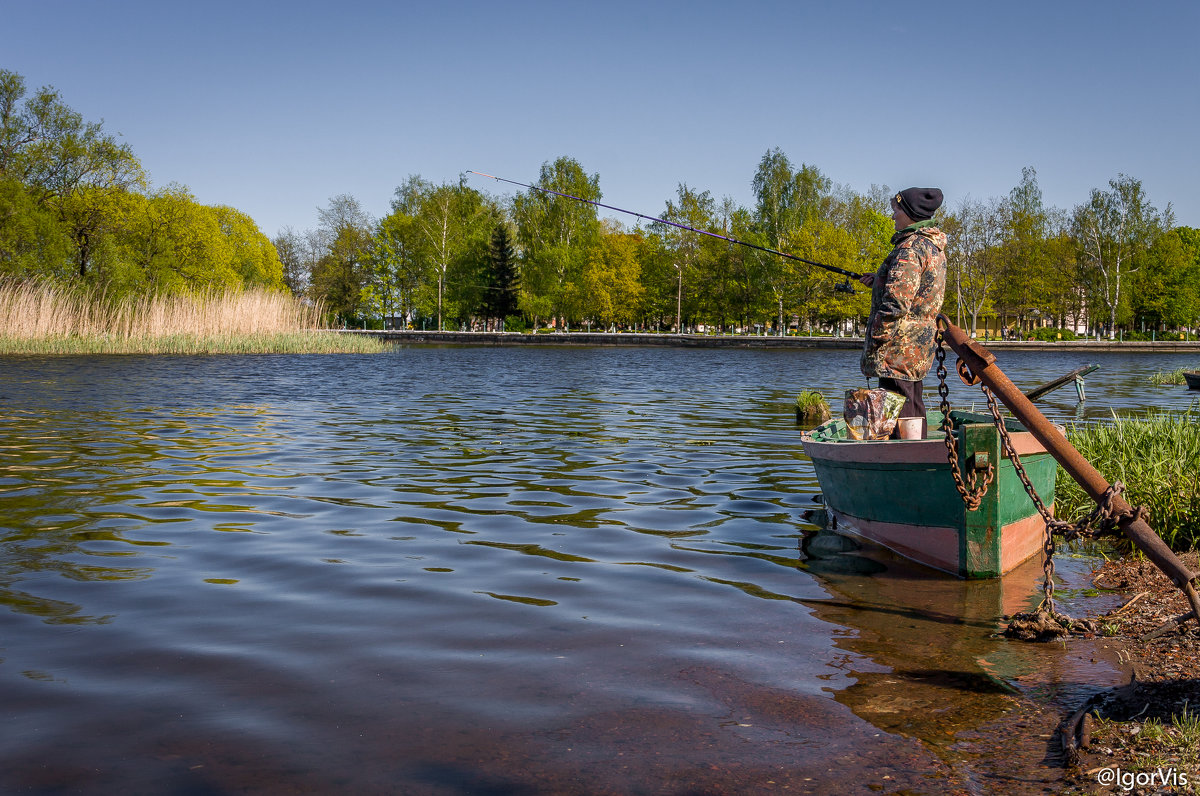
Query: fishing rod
point(845, 288)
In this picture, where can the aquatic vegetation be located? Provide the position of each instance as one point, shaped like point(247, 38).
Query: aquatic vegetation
point(811, 407)
point(41, 318)
point(1157, 457)
point(1171, 377)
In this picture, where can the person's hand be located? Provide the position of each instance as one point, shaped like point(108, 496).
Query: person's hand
point(867, 279)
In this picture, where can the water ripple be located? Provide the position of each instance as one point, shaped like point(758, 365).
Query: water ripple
point(327, 573)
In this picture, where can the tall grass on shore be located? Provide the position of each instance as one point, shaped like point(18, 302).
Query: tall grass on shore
point(40, 318)
point(1157, 457)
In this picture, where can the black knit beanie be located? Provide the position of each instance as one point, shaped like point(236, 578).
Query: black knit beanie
point(919, 204)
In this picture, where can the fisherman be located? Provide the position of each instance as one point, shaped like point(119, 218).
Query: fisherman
point(906, 296)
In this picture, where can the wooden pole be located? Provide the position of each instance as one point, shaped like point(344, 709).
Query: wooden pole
point(982, 364)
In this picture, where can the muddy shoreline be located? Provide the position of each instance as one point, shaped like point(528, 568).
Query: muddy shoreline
point(1134, 731)
point(1143, 685)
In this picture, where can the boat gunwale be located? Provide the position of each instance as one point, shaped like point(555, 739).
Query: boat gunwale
point(931, 450)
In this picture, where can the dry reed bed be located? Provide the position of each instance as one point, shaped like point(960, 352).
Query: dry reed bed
point(40, 318)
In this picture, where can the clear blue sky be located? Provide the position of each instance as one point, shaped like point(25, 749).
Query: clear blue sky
point(275, 107)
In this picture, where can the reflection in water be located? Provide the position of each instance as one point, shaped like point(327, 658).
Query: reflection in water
point(79, 489)
point(937, 668)
point(462, 570)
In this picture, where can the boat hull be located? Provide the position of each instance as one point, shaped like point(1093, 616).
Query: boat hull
point(1192, 379)
point(901, 494)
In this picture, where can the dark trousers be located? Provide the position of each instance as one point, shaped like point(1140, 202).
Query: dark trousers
point(914, 400)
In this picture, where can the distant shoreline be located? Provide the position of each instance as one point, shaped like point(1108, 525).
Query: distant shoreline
point(633, 339)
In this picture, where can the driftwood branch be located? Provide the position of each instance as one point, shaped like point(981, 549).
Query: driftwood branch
point(1170, 624)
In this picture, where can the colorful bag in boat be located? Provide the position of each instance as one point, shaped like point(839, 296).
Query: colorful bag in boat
point(871, 414)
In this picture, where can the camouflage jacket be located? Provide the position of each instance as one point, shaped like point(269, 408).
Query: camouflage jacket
point(905, 300)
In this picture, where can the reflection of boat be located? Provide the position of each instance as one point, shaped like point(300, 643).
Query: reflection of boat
point(901, 494)
point(928, 662)
point(1193, 379)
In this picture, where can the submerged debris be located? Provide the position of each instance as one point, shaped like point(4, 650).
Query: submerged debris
point(1044, 625)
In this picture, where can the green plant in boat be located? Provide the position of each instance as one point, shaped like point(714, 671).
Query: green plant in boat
point(811, 407)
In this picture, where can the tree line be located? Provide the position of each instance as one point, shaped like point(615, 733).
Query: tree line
point(1112, 263)
point(449, 256)
point(76, 208)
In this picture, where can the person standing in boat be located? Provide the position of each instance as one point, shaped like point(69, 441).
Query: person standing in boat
point(906, 296)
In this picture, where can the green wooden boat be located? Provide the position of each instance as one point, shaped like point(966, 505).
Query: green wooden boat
point(901, 494)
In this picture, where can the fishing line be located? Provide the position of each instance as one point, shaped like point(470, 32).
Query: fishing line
point(846, 288)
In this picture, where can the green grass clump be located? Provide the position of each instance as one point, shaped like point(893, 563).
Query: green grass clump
point(1168, 377)
point(811, 407)
point(1157, 457)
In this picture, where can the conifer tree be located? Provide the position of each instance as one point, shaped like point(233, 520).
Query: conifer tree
point(502, 278)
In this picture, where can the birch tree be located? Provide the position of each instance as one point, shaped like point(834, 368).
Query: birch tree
point(692, 209)
point(972, 261)
point(1111, 229)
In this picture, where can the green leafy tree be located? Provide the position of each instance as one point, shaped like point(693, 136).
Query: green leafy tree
point(690, 250)
point(867, 219)
point(777, 211)
point(1064, 295)
point(555, 236)
point(1022, 253)
point(339, 277)
point(973, 259)
point(253, 260)
point(68, 165)
point(658, 280)
point(171, 243)
point(75, 207)
point(454, 222)
point(718, 284)
point(32, 243)
point(822, 241)
point(787, 200)
point(612, 286)
point(738, 269)
point(339, 273)
point(397, 266)
point(1167, 281)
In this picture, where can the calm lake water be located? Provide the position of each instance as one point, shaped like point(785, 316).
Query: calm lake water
point(484, 571)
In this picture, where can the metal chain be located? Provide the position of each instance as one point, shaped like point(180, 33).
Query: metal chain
point(1103, 520)
point(971, 491)
point(1052, 524)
